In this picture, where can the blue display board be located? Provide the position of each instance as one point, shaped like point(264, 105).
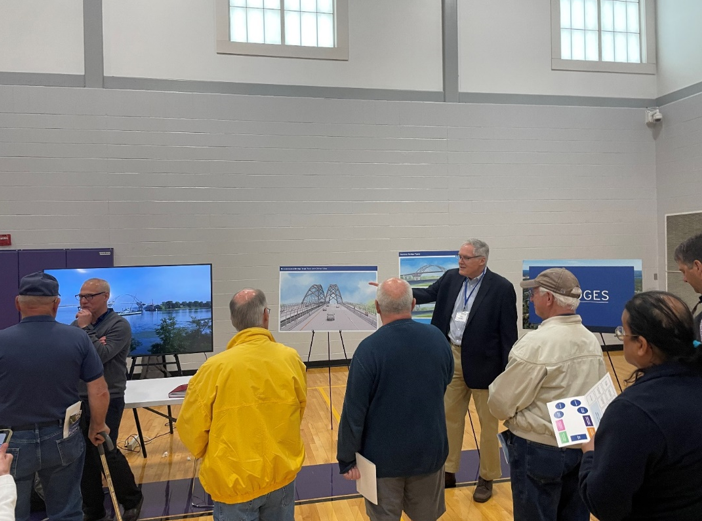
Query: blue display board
point(607, 286)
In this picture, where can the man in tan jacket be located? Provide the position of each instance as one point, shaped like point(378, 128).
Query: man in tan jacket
point(560, 359)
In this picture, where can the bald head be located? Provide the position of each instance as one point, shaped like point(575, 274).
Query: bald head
point(248, 309)
point(394, 299)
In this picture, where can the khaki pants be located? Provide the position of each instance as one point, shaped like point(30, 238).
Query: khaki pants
point(456, 401)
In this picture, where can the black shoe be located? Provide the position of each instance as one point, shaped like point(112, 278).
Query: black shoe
point(449, 480)
point(483, 491)
point(103, 517)
point(132, 514)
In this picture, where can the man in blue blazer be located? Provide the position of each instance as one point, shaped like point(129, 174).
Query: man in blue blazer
point(477, 311)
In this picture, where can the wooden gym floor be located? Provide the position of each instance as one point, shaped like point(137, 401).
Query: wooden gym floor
point(169, 469)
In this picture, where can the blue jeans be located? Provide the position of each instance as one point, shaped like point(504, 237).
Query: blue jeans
point(59, 463)
point(278, 505)
point(544, 481)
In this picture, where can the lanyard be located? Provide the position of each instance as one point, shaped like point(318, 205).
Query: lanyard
point(466, 295)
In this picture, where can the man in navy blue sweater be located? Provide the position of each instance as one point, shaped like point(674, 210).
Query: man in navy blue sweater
point(394, 410)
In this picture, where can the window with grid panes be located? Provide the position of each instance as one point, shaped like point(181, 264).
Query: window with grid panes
point(603, 35)
point(288, 28)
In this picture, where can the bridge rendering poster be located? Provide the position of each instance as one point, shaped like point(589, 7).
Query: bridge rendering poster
point(421, 269)
point(327, 298)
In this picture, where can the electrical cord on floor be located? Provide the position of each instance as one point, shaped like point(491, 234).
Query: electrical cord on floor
point(137, 446)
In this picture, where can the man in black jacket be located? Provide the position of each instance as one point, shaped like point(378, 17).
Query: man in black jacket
point(477, 311)
point(688, 255)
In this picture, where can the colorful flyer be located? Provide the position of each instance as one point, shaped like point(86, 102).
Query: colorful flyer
point(576, 419)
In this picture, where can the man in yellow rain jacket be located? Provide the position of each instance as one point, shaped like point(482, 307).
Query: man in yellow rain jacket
point(242, 415)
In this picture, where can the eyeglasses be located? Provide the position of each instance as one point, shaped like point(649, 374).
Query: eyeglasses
point(532, 292)
point(620, 334)
point(89, 296)
point(466, 258)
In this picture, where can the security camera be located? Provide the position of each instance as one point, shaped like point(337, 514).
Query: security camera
point(653, 116)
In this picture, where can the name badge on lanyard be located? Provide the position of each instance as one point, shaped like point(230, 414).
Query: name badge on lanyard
point(462, 316)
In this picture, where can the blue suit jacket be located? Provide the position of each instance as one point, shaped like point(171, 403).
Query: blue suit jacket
point(491, 330)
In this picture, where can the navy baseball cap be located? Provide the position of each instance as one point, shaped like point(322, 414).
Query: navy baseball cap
point(39, 284)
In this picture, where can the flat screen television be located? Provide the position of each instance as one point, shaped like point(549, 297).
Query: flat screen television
point(168, 307)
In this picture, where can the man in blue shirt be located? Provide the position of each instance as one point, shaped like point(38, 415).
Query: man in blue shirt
point(394, 410)
point(41, 363)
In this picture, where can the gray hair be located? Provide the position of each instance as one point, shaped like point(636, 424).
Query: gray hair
point(392, 303)
point(689, 250)
point(101, 283)
point(36, 301)
point(571, 303)
point(480, 248)
point(249, 313)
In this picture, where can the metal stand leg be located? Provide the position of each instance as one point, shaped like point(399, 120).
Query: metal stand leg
point(180, 369)
point(131, 369)
point(611, 362)
point(310, 352)
point(170, 419)
point(141, 435)
point(205, 503)
point(331, 399)
point(343, 346)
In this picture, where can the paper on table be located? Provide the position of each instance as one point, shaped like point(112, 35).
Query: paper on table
point(575, 419)
point(367, 486)
point(70, 421)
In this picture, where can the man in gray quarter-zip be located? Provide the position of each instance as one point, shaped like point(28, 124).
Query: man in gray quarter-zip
point(111, 336)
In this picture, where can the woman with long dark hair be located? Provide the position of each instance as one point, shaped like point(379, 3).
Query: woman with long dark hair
point(646, 459)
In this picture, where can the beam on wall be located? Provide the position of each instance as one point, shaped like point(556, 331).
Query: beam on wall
point(449, 24)
point(93, 43)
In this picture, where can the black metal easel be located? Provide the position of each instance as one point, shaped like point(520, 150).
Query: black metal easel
point(309, 354)
point(604, 344)
point(162, 365)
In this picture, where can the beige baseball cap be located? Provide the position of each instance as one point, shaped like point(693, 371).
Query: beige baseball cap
point(558, 280)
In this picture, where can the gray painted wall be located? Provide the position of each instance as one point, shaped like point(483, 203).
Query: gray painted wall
point(678, 164)
point(251, 182)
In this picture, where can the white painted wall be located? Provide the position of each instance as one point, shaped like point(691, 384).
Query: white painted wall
point(394, 44)
point(679, 44)
point(678, 165)
point(41, 36)
point(505, 47)
point(250, 183)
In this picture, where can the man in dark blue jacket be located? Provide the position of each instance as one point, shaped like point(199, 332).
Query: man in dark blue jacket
point(393, 412)
point(477, 311)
